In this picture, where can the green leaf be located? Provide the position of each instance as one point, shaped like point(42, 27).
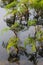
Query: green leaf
point(28, 41)
point(31, 22)
point(13, 42)
point(39, 35)
point(33, 48)
point(16, 25)
point(12, 4)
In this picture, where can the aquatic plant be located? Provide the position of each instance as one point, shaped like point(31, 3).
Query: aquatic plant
point(21, 8)
point(30, 41)
point(13, 42)
point(32, 22)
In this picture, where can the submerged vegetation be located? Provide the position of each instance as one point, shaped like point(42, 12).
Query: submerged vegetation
point(20, 11)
